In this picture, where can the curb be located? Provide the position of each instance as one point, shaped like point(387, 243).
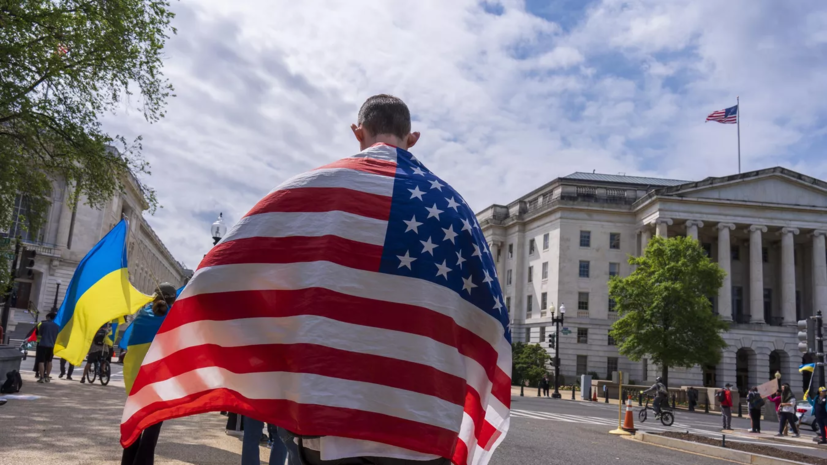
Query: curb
point(719, 452)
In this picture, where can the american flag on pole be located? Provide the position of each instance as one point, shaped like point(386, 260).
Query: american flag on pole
point(358, 302)
point(725, 116)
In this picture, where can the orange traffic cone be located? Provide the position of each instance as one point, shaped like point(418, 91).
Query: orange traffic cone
point(629, 420)
point(594, 396)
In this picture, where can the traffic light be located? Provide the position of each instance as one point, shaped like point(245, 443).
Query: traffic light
point(806, 335)
point(24, 269)
point(552, 340)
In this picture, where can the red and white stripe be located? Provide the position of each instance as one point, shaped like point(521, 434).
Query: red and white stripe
point(288, 320)
point(720, 117)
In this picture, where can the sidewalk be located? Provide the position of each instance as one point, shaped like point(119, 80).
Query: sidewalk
point(73, 423)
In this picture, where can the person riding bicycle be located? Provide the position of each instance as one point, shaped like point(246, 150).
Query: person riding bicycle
point(95, 351)
point(661, 394)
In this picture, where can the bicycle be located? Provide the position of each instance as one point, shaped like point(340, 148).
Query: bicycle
point(666, 415)
point(101, 369)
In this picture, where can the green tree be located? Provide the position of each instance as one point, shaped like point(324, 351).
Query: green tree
point(664, 308)
point(528, 362)
point(63, 63)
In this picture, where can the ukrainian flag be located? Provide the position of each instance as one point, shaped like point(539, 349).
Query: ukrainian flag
point(99, 292)
point(137, 338)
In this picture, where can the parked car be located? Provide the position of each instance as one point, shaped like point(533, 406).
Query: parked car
point(805, 416)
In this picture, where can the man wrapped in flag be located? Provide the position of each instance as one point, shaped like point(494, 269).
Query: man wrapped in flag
point(356, 306)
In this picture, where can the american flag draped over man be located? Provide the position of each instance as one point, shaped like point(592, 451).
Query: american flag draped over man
point(358, 302)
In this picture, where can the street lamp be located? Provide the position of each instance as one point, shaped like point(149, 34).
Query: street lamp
point(218, 229)
point(557, 322)
point(57, 291)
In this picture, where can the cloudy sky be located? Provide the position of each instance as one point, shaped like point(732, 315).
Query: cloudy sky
point(507, 94)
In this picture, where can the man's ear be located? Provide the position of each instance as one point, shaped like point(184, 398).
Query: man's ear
point(412, 138)
point(358, 132)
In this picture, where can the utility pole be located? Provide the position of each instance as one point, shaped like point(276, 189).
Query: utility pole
point(4, 319)
point(819, 349)
point(557, 322)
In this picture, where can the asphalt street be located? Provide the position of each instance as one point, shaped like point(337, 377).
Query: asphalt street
point(603, 417)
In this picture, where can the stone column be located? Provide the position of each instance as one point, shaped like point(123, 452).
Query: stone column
point(724, 261)
point(692, 228)
point(788, 275)
point(819, 272)
point(661, 225)
point(756, 274)
point(645, 237)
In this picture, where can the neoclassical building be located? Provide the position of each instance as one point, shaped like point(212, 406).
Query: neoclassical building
point(559, 244)
point(68, 234)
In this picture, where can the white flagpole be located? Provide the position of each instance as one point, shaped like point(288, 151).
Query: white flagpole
point(738, 120)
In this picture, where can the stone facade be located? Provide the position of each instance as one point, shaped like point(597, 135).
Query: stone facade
point(765, 228)
point(66, 238)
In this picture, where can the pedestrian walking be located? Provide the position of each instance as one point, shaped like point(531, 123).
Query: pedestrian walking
point(692, 396)
point(545, 383)
point(820, 412)
point(786, 411)
point(46, 347)
point(253, 435)
point(755, 403)
point(63, 371)
point(725, 398)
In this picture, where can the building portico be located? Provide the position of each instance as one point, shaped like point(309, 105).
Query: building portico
point(766, 229)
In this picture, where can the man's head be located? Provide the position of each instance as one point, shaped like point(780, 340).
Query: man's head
point(384, 118)
point(163, 299)
point(51, 316)
point(728, 386)
point(822, 391)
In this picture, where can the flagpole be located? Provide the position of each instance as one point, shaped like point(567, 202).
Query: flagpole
point(738, 120)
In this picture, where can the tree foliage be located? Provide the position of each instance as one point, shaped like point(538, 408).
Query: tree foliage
point(529, 363)
point(63, 64)
point(664, 308)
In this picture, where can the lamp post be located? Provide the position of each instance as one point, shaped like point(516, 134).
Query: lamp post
point(218, 229)
point(557, 322)
point(57, 291)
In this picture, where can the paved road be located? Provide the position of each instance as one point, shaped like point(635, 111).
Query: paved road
point(605, 416)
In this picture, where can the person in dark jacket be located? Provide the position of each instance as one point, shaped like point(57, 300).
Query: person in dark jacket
point(545, 385)
point(820, 412)
point(755, 402)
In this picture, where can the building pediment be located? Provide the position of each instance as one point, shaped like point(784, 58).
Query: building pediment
point(774, 186)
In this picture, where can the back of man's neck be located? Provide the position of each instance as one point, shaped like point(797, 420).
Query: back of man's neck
point(388, 139)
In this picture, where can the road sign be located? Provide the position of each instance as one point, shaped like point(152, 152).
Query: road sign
point(565, 331)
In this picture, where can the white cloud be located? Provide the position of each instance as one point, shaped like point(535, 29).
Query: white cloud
point(505, 102)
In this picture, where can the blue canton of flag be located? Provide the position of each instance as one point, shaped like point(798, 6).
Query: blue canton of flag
point(433, 235)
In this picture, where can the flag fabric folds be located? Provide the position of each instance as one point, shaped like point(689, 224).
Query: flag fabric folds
point(137, 339)
point(358, 302)
point(725, 116)
point(807, 367)
point(98, 293)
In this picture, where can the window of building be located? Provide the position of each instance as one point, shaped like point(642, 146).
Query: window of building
point(612, 305)
point(20, 224)
point(545, 241)
point(529, 302)
point(508, 277)
point(510, 250)
point(21, 294)
point(611, 341)
point(531, 246)
point(545, 270)
point(614, 269)
point(582, 335)
point(737, 300)
point(542, 334)
point(544, 300)
point(528, 334)
point(584, 269)
point(508, 304)
point(798, 315)
point(614, 241)
point(644, 365)
point(611, 366)
point(583, 301)
point(530, 274)
point(707, 246)
point(582, 365)
point(768, 306)
point(585, 238)
point(765, 255)
point(713, 304)
point(735, 252)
